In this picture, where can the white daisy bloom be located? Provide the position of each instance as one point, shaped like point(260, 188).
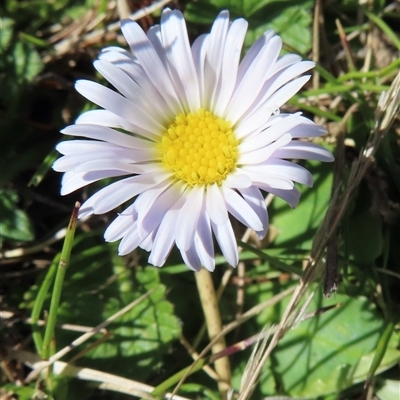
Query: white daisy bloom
point(196, 135)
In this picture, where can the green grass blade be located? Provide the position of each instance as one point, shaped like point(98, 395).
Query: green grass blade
point(58, 284)
point(380, 23)
point(39, 301)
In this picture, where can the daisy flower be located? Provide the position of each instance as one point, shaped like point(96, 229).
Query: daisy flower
point(195, 135)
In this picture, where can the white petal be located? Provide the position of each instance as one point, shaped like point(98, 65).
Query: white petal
point(261, 155)
point(227, 242)
point(253, 52)
point(177, 49)
point(230, 64)
point(188, 218)
point(104, 118)
point(291, 196)
point(119, 105)
point(213, 61)
point(304, 151)
point(128, 63)
point(249, 87)
point(199, 51)
point(156, 204)
point(130, 241)
point(262, 178)
point(255, 200)
point(286, 92)
point(307, 129)
point(151, 63)
point(108, 135)
point(203, 241)
point(116, 230)
point(191, 259)
point(270, 134)
point(285, 169)
point(215, 205)
point(283, 77)
point(145, 107)
point(111, 165)
point(241, 210)
point(236, 180)
point(75, 180)
point(117, 193)
point(163, 241)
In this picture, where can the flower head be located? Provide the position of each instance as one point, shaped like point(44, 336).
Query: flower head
point(196, 135)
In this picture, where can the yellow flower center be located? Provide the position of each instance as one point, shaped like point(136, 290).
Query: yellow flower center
point(200, 148)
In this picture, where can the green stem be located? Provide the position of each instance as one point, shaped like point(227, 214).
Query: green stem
point(38, 305)
point(58, 284)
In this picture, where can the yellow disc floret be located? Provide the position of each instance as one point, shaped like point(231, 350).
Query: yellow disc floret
point(199, 148)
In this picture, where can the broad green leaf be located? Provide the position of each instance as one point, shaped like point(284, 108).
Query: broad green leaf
point(98, 284)
point(296, 228)
point(290, 19)
point(14, 223)
point(389, 391)
point(27, 61)
point(6, 30)
point(364, 237)
point(332, 351)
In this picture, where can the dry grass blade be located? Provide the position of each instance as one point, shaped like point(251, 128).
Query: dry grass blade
point(38, 367)
point(103, 380)
point(387, 111)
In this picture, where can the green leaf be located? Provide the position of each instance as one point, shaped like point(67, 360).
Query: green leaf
point(27, 61)
point(14, 223)
point(296, 227)
point(6, 31)
point(98, 285)
point(290, 19)
point(332, 351)
point(364, 240)
point(389, 391)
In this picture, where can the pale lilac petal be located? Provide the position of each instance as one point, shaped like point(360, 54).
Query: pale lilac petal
point(199, 51)
point(191, 258)
point(188, 218)
point(143, 106)
point(270, 134)
point(181, 66)
point(130, 241)
point(215, 205)
point(284, 169)
point(152, 210)
point(131, 66)
point(103, 118)
point(247, 90)
point(241, 210)
point(151, 63)
point(260, 155)
point(291, 196)
point(282, 95)
point(255, 200)
point(227, 242)
point(108, 135)
point(252, 54)
point(237, 180)
point(117, 193)
point(203, 240)
point(163, 241)
point(230, 65)
point(119, 105)
point(213, 61)
point(275, 181)
point(117, 229)
point(304, 151)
